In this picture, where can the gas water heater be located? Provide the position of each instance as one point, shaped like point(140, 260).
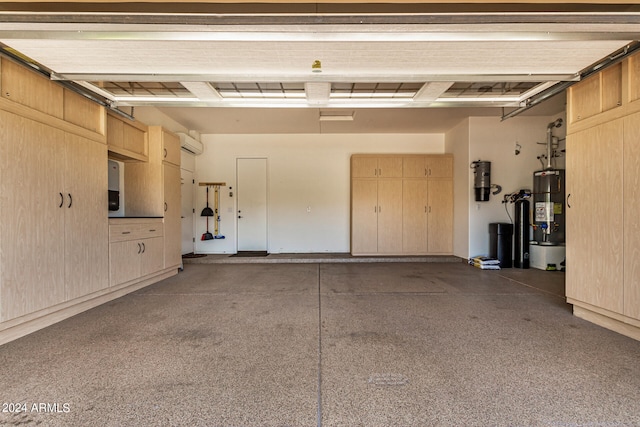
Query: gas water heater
point(548, 197)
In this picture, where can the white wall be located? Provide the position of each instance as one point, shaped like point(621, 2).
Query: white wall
point(457, 143)
point(493, 140)
point(304, 170)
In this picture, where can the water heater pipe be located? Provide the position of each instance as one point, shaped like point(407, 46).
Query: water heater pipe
point(555, 124)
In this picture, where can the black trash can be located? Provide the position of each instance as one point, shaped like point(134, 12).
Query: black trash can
point(501, 243)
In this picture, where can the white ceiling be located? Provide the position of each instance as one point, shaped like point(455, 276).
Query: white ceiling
point(462, 48)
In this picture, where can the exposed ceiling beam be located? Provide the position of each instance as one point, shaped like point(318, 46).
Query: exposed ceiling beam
point(318, 36)
point(324, 77)
point(315, 18)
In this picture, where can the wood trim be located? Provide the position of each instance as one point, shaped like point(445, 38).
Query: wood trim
point(607, 321)
point(19, 327)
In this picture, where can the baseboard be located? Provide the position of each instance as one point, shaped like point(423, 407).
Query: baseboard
point(607, 322)
point(17, 328)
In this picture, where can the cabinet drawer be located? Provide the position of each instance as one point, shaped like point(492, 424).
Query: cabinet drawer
point(124, 232)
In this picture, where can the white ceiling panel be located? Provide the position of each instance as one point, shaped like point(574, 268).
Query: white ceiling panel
point(282, 58)
point(433, 51)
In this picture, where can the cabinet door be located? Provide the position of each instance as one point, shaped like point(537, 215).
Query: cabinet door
point(364, 167)
point(115, 132)
point(86, 218)
point(440, 167)
point(172, 222)
point(414, 167)
point(170, 148)
point(364, 217)
point(390, 167)
point(152, 255)
point(632, 216)
point(440, 217)
point(584, 98)
point(595, 216)
point(414, 216)
point(134, 140)
point(32, 226)
point(26, 87)
point(390, 216)
point(124, 261)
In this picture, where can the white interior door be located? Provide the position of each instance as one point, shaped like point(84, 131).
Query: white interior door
point(187, 191)
point(252, 204)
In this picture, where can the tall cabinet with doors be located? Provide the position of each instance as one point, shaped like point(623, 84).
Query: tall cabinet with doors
point(53, 199)
point(603, 199)
point(401, 204)
point(153, 189)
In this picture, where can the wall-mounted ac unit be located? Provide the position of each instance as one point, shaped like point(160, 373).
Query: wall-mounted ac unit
point(190, 144)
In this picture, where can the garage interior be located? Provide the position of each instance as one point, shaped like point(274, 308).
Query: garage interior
point(279, 99)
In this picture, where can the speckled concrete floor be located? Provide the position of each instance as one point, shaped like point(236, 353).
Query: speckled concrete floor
point(412, 344)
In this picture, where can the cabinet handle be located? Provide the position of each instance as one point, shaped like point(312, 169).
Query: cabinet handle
point(375, 209)
point(375, 172)
point(165, 153)
point(61, 200)
point(151, 231)
point(379, 172)
point(144, 248)
point(425, 209)
point(425, 172)
point(429, 171)
point(126, 232)
point(568, 204)
point(429, 209)
point(70, 200)
point(139, 248)
point(379, 209)
point(165, 206)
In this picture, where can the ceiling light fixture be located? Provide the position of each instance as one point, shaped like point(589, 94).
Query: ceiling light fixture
point(316, 67)
point(332, 116)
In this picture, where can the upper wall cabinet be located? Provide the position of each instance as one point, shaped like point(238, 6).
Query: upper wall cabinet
point(596, 94)
point(127, 139)
point(83, 112)
point(170, 145)
point(28, 88)
point(380, 166)
point(634, 77)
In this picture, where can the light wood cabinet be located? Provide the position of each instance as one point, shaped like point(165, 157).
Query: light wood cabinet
point(31, 89)
point(54, 220)
point(127, 140)
point(410, 214)
point(427, 216)
point(367, 166)
point(172, 216)
point(83, 112)
point(153, 189)
point(440, 217)
point(415, 208)
point(595, 217)
point(427, 166)
point(364, 216)
point(86, 222)
point(136, 248)
point(631, 192)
